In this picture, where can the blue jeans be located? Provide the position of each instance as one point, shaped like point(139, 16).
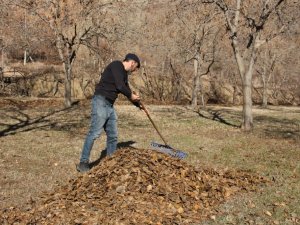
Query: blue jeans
point(103, 116)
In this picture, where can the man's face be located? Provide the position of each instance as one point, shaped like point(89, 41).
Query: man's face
point(133, 66)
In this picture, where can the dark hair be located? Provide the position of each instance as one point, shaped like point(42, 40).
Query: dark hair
point(134, 57)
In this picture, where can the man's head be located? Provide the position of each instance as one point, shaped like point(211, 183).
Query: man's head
point(131, 62)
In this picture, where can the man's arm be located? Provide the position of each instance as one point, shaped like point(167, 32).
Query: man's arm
point(119, 78)
point(122, 85)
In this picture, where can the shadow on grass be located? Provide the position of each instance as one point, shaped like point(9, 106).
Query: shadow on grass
point(267, 125)
point(279, 128)
point(126, 144)
point(216, 115)
point(278, 109)
point(26, 123)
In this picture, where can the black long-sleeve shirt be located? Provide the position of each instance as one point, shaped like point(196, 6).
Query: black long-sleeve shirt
point(114, 80)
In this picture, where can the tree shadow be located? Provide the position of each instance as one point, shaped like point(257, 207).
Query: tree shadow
point(277, 108)
point(125, 144)
point(215, 115)
point(279, 128)
point(25, 122)
point(60, 119)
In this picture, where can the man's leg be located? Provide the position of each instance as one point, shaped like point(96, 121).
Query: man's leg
point(111, 132)
point(98, 119)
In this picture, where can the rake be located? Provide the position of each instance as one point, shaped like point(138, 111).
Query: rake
point(164, 148)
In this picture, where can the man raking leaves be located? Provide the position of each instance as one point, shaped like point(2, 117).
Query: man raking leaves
point(114, 80)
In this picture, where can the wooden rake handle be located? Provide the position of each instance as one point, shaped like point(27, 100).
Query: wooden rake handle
point(155, 127)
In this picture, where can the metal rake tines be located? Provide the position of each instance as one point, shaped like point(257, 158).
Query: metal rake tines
point(168, 150)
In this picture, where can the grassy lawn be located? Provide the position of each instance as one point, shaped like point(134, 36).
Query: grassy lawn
point(40, 144)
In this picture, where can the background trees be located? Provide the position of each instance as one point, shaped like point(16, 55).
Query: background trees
point(73, 24)
point(198, 42)
point(215, 51)
point(251, 25)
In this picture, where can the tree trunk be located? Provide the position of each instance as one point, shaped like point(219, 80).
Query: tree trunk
point(68, 78)
point(196, 90)
point(265, 93)
point(25, 26)
point(25, 58)
point(247, 103)
point(266, 76)
point(246, 77)
point(67, 63)
point(2, 58)
point(196, 85)
point(234, 96)
point(203, 100)
point(247, 86)
point(264, 73)
point(247, 122)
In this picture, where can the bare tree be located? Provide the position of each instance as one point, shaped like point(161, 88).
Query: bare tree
point(3, 22)
point(265, 71)
point(74, 24)
point(248, 31)
point(196, 39)
point(202, 64)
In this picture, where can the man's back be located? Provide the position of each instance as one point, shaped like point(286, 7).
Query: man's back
point(114, 80)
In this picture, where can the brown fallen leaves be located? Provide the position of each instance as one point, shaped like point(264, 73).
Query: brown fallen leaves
point(136, 186)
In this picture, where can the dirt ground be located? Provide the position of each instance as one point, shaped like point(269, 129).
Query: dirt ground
point(41, 141)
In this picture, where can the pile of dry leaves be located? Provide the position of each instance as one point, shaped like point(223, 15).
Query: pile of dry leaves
point(136, 186)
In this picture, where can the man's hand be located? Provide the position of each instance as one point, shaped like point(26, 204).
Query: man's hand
point(135, 97)
point(136, 100)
